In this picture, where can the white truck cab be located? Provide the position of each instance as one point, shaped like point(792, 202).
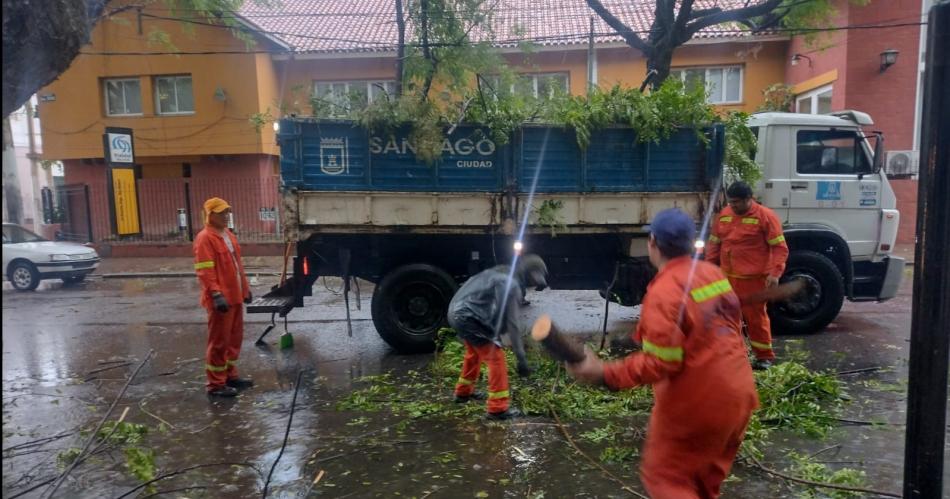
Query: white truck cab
point(822, 177)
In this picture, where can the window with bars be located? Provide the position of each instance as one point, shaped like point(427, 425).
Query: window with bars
point(174, 95)
point(722, 83)
point(337, 98)
point(123, 96)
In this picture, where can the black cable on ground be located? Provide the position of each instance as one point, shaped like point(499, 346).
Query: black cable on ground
point(290, 420)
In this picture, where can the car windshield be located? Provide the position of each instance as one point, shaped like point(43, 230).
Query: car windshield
point(16, 234)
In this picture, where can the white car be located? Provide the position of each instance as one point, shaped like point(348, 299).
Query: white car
point(28, 259)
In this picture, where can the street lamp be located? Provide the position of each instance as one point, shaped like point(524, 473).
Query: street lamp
point(798, 57)
point(888, 58)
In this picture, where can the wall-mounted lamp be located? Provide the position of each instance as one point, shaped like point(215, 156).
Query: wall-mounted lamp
point(219, 94)
point(798, 57)
point(888, 58)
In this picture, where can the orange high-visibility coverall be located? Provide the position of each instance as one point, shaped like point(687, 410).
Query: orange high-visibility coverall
point(750, 248)
point(219, 271)
point(695, 358)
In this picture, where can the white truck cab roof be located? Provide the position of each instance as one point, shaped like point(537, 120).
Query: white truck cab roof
point(838, 119)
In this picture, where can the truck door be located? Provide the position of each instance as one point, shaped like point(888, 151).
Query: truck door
point(832, 183)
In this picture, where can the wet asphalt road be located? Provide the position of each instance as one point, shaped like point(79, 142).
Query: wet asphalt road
point(55, 337)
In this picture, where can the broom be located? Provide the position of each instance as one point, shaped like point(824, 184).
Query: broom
point(286, 339)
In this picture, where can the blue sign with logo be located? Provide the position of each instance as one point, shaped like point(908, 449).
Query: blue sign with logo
point(828, 191)
point(119, 148)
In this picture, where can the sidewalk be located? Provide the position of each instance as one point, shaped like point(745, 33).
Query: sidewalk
point(179, 266)
point(905, 251)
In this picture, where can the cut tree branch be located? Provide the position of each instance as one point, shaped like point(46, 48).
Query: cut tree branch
point(629, 36)
point(733, 15)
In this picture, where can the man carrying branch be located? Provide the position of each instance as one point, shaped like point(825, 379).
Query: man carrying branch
point(694, 356)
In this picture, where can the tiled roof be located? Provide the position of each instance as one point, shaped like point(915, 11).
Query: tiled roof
point(369, 25)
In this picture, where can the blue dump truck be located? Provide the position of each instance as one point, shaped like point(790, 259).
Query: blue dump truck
point(358, 204)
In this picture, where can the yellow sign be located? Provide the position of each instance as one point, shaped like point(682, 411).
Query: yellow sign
point(126, 201)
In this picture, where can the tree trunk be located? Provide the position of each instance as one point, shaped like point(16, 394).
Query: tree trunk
point(426, 50)
point(40, 42)
point(400, 48)
point(660, 59)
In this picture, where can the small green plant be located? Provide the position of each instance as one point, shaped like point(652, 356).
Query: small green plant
point(549, 215)
point(259, 120)
point(778, 97)
point(66, 457)
point(806, 467)
point(122, 432)
point(740, 149)
point(140, 463)
point(604, 433)
point(618, 455)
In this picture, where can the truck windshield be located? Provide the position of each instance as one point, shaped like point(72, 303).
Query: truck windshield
point(831, 152)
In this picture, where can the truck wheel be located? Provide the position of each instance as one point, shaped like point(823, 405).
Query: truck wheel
point(816, 306)
point(409, 306)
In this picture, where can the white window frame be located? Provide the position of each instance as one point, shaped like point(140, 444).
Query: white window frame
point(682, 75)
point(105, 95)
point(373, 90)
point(812, 96)
point(495, 81)
point(174, 78)
point(537, 77)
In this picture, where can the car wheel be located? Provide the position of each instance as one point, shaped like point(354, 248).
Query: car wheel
point(23, 276)
point(409, 306)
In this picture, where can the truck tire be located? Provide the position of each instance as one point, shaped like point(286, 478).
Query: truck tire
point(819, 304)
point(409, 306)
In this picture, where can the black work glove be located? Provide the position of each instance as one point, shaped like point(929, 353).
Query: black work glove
point(220, 304)
point(248, 299)
point(524, 370)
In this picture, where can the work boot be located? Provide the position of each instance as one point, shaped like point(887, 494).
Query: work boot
point(761, 364)
point(240, 383)
point(510, 413)
point(223, 391)
point(459, 399)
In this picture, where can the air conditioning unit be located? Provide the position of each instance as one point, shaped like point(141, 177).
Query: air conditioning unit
point(902, 163)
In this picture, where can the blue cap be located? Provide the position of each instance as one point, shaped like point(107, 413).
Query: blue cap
point(674, 228)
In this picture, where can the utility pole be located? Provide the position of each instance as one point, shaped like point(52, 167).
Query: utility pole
point(591, 59)
point(12, 200)
point(930, 326)
point(34, 168)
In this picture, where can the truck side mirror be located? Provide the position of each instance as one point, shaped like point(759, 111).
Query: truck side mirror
point(878, 152)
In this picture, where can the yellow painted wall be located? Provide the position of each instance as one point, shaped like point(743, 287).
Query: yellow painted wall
point(73, 124)
point(763, 64)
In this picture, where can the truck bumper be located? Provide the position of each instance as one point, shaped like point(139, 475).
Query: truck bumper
point(877, 281)
point(892, 278)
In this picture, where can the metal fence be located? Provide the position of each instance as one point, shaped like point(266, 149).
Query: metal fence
point(171, 209)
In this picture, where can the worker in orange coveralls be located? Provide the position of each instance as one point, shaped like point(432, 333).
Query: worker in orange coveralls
point(746, 241)
point(224, 289)
point(694, 356)
point(485, 308)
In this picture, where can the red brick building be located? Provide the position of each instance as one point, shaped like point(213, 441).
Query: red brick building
point(844, 70)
